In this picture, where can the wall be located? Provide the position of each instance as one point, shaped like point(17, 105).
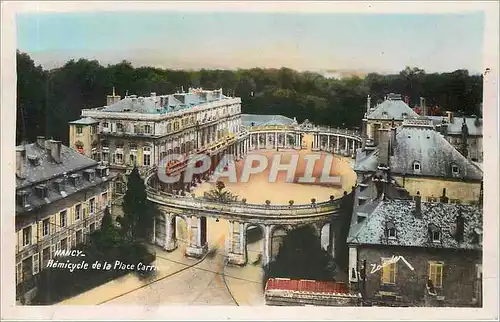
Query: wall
point(458, 273)
point(465, 191)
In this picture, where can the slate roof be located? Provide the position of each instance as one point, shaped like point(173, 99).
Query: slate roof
point(260, 120)
point(366, 161)
point(392, 109)
point(71, 161)
point(412, 231)
point(85, 121)
point(474, 126)
point(435, 154)
point(47, 172)
point(164, 103)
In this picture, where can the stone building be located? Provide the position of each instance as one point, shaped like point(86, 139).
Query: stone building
point(60, 197)
point(405, 252)
point(391, 112)
point(143, 131)
point(464, 133)
point(420, 159)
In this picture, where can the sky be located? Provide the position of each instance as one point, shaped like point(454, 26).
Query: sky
point(307, 41)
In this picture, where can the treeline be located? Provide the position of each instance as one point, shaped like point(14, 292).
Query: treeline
point(48, 99)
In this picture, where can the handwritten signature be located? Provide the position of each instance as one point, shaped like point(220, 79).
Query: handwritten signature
point(393, 259)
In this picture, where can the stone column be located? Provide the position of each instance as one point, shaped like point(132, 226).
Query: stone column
point(338, 143)
point(153, 238)
point(275, 140)
point(258, 141)
point(171, 241)
point(236, 243)
point(267, 245)
point(328, 142)
point(353, 150)
point(346, 145)
point(195, 248)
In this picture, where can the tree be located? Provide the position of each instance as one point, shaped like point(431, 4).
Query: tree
point(138, 213)
point(302, 257)
point(219, 194)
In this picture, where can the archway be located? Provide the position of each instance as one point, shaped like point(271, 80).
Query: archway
point(327, 238)
point(254, 244)
point(277, 236)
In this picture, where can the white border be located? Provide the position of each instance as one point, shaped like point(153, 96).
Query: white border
point(8, 103)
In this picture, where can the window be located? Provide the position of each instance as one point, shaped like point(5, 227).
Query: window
point(63, 218)
point(436, 236)
point(79, 130)
point(392, 233)
point(78, 212)
point(92, 227)
point(133, 147)
point(92, 205)
point(105, 125)
point(27, 236)
point(119, 127)
point(416, 166)
point(132, 159)
point(454, 169)
point(388, 272)
point(119, 158)
point(79, 237)
point(169, 127)
point(105, 156)
point(147, 156)
point(436, 274)
point(104, 198)
point(176, 126)
point(45, 256)
point(46, 227)
point(64, 243)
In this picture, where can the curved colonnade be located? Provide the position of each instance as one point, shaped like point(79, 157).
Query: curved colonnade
point(174, 200)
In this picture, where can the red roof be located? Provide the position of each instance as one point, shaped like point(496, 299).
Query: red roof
point(308, 286)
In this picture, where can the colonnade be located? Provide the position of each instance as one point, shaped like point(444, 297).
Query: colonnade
point(337, 143)
point(165, 234)
point(275, 139)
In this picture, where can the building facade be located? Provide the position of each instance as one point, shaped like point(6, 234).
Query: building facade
point(60, 197)
point(421, 160)
point(413, 253)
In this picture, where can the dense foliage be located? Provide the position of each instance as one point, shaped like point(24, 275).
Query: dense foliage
point(47, 100)
point(104, 245)
point(301, 257)
point(138, 213)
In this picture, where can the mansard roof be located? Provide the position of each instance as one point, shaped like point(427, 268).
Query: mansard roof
point(392, 108)
point(434, 153)
point(261, 120)
point(474, 125)
point(412, 231)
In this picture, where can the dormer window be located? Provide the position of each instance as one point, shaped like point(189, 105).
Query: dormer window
point(435, 233)
point(21, 198)
point(59, 185)
point(41, 191)
point(34, 160)
point(455, 170)
point(416, 166)
point(390, 230)
point(119, 127)
point(76, 180)
point(404, 115)
point(102, 171)
point(89, 174)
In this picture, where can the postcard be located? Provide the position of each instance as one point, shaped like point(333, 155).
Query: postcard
point(181, 160)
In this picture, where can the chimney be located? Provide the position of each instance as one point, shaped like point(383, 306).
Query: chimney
point(423, 107)
point(418, 205)
point(450, 116)
point(368, 104)
point(459, 233)
point(40, 141)
point(443, 198)
point(393, 140)
point(48, 145)
point(55, 151)
point(20, 159)
point(112, 99)
point(383, 146)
